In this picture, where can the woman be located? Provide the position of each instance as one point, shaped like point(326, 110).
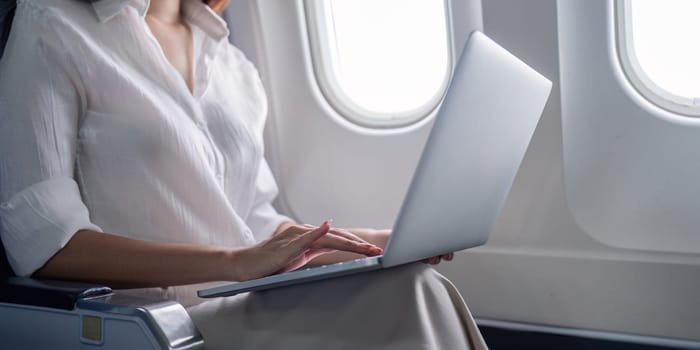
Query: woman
point(135, 138)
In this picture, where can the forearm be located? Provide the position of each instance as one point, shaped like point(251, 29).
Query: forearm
point(129, 263)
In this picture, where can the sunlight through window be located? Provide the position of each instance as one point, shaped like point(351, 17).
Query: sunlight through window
point(660, 44)
point(381, 63)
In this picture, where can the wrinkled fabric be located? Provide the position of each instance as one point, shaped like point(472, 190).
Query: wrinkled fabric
point(409, 307)
point(99, 131)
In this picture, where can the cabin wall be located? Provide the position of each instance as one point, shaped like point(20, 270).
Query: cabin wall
point(539, 266)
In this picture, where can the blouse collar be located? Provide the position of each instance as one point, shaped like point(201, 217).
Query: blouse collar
point(107, 9)
point(195, 11)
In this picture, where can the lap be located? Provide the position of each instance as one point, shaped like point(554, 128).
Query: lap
point(406, 307)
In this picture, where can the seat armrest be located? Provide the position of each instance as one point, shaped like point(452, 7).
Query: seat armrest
point(47, 293)
point(83, 316)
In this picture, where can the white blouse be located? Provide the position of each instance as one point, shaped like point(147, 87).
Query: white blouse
point(99, 131)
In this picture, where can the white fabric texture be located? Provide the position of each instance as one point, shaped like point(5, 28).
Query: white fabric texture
point(40, 218)
point(105, 134)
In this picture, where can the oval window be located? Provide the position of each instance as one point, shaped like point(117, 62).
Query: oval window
point(658, 50)
point(380, 63)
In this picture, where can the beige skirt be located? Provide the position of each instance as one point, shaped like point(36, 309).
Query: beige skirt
point(406, 307)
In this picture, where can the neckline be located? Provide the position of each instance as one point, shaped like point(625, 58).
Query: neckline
point(192, 55)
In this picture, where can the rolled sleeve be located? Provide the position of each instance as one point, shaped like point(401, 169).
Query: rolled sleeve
point(263, 219)
point(38, 221)
point(40, 104)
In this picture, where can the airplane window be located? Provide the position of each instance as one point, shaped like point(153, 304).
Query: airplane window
point(656, 43)
point(380, 63)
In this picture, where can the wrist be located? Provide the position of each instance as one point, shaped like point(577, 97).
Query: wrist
point(231, 263)
point(238, 264)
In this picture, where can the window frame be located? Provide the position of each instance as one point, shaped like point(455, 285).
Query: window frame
point(635, 74)
point(344, 105)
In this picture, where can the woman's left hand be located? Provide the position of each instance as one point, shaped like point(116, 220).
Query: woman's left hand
point(437, 259)
point(383, 237)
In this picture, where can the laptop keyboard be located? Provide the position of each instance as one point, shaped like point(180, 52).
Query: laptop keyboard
point(338, 264)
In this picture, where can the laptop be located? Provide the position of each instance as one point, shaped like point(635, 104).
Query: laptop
point(478, 140)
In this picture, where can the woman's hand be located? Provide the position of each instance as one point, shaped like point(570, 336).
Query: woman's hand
point(437, 259)
point(294, 247)
point(382, 236)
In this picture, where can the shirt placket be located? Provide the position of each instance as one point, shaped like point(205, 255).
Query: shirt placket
point(202, 70)
point(191, 101)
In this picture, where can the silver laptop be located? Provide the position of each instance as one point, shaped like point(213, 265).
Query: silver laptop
point(474, 150)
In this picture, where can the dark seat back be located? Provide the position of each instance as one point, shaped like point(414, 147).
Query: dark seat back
point(5, 269)
point(7, 12)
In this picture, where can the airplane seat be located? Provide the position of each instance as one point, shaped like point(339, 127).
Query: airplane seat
point(7, 11)
point(43, 314)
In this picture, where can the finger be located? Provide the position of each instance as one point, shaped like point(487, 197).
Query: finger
point(340, 232)
point(303, 259)
point(347, 234)
point(309, 237)
point(428, 261)
point(344, 244)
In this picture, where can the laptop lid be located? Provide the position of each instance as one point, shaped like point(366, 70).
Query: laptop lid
point(472, 155)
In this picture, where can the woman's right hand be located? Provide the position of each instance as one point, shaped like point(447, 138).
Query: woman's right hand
point(294, 247)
